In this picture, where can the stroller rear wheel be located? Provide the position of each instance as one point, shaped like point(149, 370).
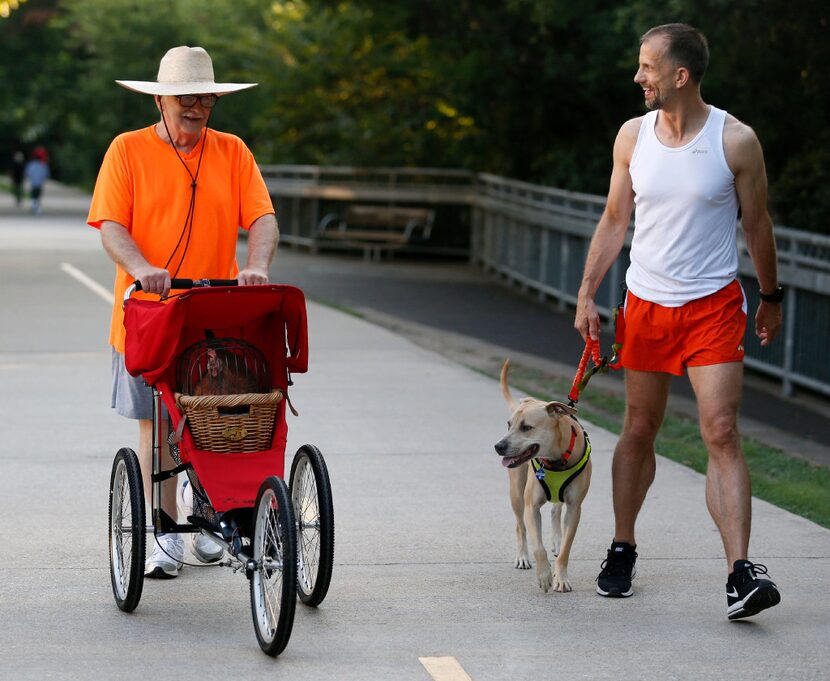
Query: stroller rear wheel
point(311, 495)
point(275, 566)
point(126, 525)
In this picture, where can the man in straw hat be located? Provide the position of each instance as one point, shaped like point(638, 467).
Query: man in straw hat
point(169, 201)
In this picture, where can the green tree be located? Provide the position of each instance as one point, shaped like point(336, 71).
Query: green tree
point(531, 89)
point(29, 45)
point(348, 86)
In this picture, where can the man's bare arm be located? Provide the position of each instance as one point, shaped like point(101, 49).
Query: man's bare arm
point(609, 235)
point(746, 159)
point(263, 237)
point(123, 250)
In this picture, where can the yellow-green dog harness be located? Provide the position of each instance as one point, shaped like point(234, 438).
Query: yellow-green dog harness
point(553, 481)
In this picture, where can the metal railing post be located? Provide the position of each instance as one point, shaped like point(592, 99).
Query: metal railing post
point(564, 257)
point(544, 247)
point(790, 313)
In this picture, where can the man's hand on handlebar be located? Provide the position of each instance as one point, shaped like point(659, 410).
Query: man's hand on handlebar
point(252, 276)
point(154, 280)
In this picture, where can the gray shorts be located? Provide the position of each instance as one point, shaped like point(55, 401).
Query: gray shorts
point(131, 396)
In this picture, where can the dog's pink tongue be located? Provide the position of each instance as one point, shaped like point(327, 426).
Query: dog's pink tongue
point(506, 461)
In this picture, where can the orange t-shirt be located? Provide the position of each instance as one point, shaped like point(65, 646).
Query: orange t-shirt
point(143, 186)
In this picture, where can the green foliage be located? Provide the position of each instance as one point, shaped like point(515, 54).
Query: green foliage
point(347, 86)
point(532, 89)
point(27, 47)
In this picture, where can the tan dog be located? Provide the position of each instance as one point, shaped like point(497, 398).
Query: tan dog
point(545, 439)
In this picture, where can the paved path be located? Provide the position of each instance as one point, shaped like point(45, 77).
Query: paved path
point(424, 530)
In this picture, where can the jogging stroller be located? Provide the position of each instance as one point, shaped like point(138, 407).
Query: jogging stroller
point(219, 358)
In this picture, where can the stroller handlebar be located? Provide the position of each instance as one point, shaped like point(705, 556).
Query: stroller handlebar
point(183, 284)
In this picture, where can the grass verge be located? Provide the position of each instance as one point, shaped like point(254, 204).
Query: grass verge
point(795, 485)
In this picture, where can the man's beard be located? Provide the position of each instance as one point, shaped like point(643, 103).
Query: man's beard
point(659, 99)
point(656, 103)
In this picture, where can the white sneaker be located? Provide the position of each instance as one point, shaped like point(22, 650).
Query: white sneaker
point(203, 548)
point(166, 558)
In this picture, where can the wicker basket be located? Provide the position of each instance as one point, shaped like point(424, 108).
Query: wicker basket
point(215, 430)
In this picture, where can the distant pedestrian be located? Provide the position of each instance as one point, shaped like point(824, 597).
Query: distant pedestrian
point(37, 171)
point(18, 164)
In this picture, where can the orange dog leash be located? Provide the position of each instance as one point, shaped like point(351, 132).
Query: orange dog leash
point(601, 366)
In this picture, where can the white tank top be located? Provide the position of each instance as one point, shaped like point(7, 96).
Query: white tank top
point(685, 220)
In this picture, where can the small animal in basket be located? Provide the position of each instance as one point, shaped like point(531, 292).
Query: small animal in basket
point(222, 377)
point(547, 454)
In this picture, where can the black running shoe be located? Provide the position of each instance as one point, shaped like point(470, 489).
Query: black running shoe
point(746, 593)
point(617, 571)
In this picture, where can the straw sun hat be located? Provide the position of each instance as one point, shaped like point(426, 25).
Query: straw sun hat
point(184, 71)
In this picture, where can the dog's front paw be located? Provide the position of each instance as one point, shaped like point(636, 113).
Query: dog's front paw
point(522, 562)
point(545, 577)
point(561, 583)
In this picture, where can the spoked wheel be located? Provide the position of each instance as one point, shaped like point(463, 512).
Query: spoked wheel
point(127, 538)
point(311, 496)
point(275, 573)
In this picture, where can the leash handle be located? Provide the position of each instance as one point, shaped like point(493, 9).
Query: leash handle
point(601, 365)
point(591, 347)
point(591, 351)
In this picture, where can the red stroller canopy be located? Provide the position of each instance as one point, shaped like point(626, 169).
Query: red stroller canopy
point(271, 317)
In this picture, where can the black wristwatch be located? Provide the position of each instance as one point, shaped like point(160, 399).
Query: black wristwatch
point(776, 296)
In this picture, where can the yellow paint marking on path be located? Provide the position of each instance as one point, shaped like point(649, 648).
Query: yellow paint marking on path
point(87, 281)
point(444, 669)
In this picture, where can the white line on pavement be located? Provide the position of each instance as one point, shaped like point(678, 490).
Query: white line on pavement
point(91, 284)
point(444, 669)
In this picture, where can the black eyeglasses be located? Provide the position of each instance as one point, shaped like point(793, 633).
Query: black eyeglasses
point(207, 101)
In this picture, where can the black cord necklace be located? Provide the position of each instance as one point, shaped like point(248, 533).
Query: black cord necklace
point(191, 211)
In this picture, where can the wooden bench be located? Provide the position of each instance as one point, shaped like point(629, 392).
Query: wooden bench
point(375, 229)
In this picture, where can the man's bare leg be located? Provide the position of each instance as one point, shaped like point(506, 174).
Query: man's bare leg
point(633, 467)
point(145, 460)
point(728, 488)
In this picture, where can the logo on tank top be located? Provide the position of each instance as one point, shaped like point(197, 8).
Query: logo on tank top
point(700, 151)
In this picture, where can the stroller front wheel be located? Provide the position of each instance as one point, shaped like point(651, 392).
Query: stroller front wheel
point(311, 495)
point(126, 530)
point(274, 575)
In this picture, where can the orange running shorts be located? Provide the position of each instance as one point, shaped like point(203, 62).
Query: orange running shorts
point(709, 330)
